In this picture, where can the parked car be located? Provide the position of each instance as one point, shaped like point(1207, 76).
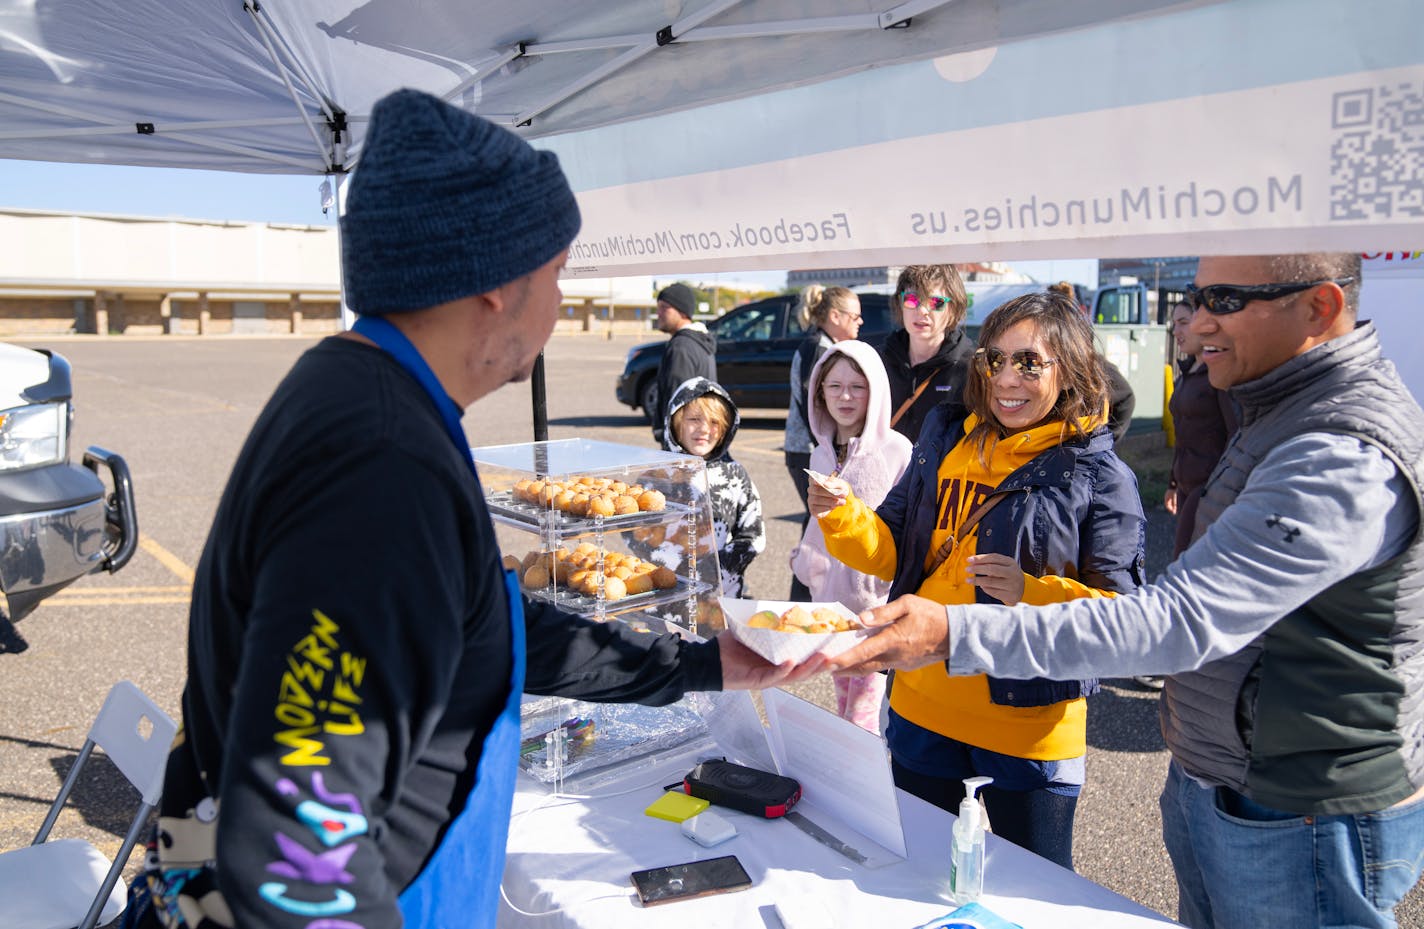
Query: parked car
point(58, 521)
point(755, 343)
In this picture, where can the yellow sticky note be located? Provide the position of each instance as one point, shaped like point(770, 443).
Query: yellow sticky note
point(676, 806)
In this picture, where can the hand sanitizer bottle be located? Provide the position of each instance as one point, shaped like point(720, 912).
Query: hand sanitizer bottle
point(966, 865)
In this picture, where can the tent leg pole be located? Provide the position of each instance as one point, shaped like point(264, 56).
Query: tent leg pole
point(541, 401)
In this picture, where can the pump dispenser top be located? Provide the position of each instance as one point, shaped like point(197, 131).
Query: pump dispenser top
point(969, 806)
point(966, 866)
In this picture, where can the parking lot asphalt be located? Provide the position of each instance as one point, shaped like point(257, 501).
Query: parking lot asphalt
point(179, 409)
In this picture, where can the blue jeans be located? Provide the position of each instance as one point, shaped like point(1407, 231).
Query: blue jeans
point(1241, 865)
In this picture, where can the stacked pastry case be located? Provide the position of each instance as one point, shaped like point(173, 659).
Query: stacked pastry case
point(607, 531)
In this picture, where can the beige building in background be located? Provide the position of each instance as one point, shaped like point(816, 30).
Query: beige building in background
point(132, 275)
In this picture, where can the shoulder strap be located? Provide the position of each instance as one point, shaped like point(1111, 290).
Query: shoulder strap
point(910, 400)
point(941, 554)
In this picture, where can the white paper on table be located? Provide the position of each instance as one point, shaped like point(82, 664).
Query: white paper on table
point(844, 770)
point(732, 719)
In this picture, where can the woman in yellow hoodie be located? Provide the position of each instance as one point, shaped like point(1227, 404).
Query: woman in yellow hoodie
point(1023, 501)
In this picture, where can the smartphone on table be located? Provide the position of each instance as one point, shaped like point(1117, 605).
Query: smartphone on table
point(691, 879)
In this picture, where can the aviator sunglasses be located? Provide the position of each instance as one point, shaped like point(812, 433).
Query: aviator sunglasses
point(912, 301)
point(1223, 299)
point(1029, 363)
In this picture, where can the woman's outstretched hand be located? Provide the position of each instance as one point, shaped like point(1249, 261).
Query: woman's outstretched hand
point(825, 494)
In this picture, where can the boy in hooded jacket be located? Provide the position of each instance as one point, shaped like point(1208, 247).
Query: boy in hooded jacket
point(702, 420)
point(848, 405)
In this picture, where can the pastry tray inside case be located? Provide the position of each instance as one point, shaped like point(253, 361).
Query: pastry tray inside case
point(505, 508)
point(576, 602)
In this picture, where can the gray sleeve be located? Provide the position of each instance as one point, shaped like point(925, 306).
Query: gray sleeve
point(1317, 509)
point(798, 438)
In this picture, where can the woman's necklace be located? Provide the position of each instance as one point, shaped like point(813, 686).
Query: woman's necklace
point(841, 449)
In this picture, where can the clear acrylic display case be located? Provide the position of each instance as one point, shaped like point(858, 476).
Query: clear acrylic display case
point(607, 531)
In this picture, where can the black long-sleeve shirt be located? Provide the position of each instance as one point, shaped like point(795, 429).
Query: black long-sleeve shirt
point(691, 352)
point(946, 372)
point(349, 644)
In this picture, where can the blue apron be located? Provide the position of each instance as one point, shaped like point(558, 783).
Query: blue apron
point(459, 886)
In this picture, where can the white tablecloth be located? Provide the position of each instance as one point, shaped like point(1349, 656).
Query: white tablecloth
point(569, 864)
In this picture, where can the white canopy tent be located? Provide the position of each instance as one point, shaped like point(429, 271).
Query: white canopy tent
point(743, 134)
point(276, 86)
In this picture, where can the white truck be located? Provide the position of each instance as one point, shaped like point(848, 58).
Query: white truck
point(58, 521)
point(1392, 295)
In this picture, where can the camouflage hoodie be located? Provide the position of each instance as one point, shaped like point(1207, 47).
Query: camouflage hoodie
point(736, 505)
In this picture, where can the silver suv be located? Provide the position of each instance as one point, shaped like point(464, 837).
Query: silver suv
point(58, 521)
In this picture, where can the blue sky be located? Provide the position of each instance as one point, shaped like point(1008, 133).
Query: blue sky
point(271, 198)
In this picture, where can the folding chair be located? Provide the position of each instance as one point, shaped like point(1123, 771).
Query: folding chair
point(69, 883)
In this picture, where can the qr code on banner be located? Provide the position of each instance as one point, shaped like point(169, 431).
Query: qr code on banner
point(1377, 159)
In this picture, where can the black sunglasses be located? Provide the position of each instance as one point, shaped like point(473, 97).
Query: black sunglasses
point(990, 361)
point(1222, 299)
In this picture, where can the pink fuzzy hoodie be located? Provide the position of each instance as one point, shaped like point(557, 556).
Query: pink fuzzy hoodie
point(874, 462)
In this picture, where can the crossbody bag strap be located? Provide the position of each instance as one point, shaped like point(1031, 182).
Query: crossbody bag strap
point(941, 554)
point(910, 400)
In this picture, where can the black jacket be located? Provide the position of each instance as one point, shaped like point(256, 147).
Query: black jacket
point(946, 371)
point(691, 352)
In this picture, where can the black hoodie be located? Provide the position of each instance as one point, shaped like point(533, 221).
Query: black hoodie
point(691, 352)
point(945, 371)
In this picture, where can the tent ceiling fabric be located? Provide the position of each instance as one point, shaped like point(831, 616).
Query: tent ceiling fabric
point(270, 87)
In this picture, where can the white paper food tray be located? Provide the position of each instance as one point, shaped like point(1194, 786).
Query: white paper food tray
point(777, 647)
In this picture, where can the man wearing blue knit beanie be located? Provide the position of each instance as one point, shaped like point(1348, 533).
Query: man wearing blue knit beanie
point(356, 653)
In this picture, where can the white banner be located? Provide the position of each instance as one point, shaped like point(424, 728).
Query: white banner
point(1330, 163)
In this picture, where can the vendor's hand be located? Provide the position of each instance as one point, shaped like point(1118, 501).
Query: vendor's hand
point(1169, 501)
point(821, 497)
point(913, 632)
point(999, 576)
point(744, 669)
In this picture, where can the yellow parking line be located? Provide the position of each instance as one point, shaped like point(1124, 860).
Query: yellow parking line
point(99, 600)
point(166, 558)
point(122, 591)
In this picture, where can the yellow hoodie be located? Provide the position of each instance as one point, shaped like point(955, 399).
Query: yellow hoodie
point(959, 707)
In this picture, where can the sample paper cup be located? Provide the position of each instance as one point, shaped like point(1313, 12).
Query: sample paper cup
point(777, 647)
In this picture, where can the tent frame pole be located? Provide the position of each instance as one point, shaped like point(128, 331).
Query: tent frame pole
point(647, 47)
point(264, 33)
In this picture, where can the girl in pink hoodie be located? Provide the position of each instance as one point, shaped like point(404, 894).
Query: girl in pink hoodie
point(848, 405)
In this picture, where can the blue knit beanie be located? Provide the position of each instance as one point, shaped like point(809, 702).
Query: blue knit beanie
point(445, 204)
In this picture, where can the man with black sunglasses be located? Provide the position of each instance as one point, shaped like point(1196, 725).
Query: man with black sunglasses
point(1292, 626)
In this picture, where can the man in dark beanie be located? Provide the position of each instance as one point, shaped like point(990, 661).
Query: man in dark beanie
point(691, 352)
point(356, 653)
